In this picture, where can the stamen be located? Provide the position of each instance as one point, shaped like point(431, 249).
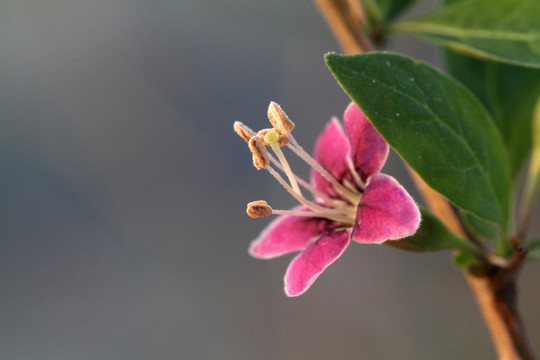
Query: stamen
point(329, 213)
point(260, 155)
point(341, 210)
point(361, 184)
point(272, 138)
point(279, 119)
point(243, 131)
point(314, 192)
point(352, 196)
point(297, 213)
point(258, 208)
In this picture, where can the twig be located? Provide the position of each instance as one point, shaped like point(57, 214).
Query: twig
point(495, 291)
point(346, 18)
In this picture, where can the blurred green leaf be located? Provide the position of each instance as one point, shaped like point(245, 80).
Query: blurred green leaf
point(391, 8)
point(436, 125)
point(509, 93)
point(383, 11)
point(533, 175)
point(433, 236)
point(534, 250)
point(465, 260)
point(480, 228)
point(500, 30)
point(486, 230)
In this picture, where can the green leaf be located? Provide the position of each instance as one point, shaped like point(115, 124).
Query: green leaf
point(465, 260)
point(436, 125)
point(509, 93)
point(533, 250)
point(485, 230)
point(433, 236)
point(500, 30)
point(532, 183)
point(480, 228)
point(383, 11)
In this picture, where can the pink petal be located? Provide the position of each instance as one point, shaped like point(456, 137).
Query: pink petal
point(309, 264)
point(331, 151)
point(368, 149)
point(288, 234)
point(386, 212)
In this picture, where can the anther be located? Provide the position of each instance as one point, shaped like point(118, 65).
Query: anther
point(243, 131)
point(259, 208)
point(260, 155)
point(279, 119)
point(270, 137)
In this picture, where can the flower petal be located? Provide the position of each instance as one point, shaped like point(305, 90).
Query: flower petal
point(386, 212)
point(310, 263)
point(331, 151)
point(288, 233)
point(368, 149)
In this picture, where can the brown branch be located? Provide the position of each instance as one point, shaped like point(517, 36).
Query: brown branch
point(495, 291)
point(346, 19)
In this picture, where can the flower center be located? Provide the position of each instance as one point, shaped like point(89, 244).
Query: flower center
point(341, 210)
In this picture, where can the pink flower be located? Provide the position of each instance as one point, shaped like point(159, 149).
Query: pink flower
point(351, 198)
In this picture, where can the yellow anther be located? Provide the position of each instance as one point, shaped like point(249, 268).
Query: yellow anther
point(258, 208)
point(243, 131)
point(260, 155)
point(279, 119)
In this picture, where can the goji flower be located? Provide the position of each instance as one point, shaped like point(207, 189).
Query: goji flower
point(350, 198)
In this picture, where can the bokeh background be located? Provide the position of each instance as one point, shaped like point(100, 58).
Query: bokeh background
point(123, 189)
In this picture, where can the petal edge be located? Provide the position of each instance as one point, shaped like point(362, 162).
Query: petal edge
point(386, 212)
point(288, 234)
point(305, 268)
point(331, 151)
point(369, 150)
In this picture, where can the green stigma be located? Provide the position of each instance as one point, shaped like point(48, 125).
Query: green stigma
point(271, 137)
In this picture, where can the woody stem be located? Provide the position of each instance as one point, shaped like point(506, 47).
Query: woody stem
point(495, 289)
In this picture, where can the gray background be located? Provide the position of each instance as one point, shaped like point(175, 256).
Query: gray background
point(123, 188)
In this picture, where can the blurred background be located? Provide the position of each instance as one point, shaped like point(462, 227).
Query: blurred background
point(123, 232)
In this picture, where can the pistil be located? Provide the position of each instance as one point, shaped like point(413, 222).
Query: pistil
point(272, 138)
